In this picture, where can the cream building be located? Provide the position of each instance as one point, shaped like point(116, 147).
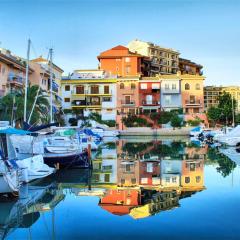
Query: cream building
point(90, 91)
point(163, 60)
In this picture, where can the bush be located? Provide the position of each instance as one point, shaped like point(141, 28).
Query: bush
point(165, 117)
point(134, 121)
point(98, 118)
point(194, 122)
point(176, 121)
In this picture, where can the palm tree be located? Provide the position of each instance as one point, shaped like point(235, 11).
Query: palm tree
point(13, 105)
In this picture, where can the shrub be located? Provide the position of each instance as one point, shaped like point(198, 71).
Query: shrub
point(176, 121)
point(194, 122)
point(164, 117)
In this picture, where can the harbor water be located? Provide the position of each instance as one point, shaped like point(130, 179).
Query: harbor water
point(139, 188)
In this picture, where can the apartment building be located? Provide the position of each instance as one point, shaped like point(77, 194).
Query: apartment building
point(212, 94)
point(162, 60)
point(120, 61)
point(90, 91)
point(41, 77)
point(171, 92)
point(12, 72)
point(149, 94)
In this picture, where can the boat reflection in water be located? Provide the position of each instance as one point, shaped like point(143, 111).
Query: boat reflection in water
point(25, 211)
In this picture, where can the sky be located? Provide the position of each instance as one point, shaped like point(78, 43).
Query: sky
point(204, 31)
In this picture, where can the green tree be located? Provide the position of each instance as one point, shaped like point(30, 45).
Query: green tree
point(12, 105)
point(214, 114)
point(176, 121)
point(226, 106)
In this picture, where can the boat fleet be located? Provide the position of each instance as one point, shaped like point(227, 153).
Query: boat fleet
point(26, 156)
point(226, 140)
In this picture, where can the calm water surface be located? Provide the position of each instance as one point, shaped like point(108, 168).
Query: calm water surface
point(138, 189)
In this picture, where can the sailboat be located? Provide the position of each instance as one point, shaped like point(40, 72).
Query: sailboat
point(9, 171)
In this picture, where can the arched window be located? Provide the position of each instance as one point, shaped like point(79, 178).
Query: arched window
point(187, 179)
point(187, 86)
point(121, 85)
point(198, 179)
point(80, 89)
point(133, 86)
point(197, 86)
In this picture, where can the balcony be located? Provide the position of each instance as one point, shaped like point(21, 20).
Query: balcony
point(94, 93)
point(192, 102)
point(128, 103)
point(15, 79)
point(84, 104)
point(150, 103)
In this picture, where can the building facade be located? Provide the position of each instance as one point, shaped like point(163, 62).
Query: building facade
point(212, 94)
point(149, 94)
point(170, 92)
point(120, 61)
point(162, 60)
point(90, 91)
point(12, 72)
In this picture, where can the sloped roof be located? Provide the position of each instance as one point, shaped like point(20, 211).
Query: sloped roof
point(119, 47)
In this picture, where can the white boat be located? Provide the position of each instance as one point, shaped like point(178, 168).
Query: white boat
point(231, 139)
point(105, 132)
point(31, 167)
point(9, 178)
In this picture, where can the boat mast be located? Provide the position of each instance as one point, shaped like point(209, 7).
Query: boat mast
point(26, 82)
point(51, 81)
point(233, 112)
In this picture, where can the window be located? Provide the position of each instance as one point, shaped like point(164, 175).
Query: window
point(174, 179)
point(174, 86)
point(167, 179)
point(187, 179)
point(143, 86)
point(67, 88)
point(156, 86)
point(128, 69)
point(198, 179)
point(122, 181)
point(107, 178)
point(166, 86)
point(192, 99)
point(133, 180)
point(127, 59)
point(66, 99)
point(106, 89)
point(133, 86)
point(95, 89)
point(197, 86)
point(127, 99)
point(168, 99)
point(121, 85)
point(128, 168)
point(80, 89)
point(187, 86)
point(149, 167)
point(106, 99)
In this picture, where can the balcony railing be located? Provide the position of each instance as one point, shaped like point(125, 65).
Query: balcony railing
point(192, 102)
point(87, 92)
point(14, 78)
point(150, 103)
point(131, 102)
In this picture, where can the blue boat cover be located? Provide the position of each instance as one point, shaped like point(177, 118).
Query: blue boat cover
point(196, 129)
point(14, 131)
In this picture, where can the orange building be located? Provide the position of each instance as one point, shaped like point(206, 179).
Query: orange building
point(120, 61)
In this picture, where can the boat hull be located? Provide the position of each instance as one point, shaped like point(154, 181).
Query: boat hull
point(68, 160)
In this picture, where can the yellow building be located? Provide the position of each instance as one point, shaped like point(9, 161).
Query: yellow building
point(90, 91)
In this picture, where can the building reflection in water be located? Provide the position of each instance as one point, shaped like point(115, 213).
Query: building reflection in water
point(139, 179)
point(153, 176)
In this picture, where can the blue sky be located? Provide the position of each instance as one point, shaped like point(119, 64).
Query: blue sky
point(205, 31)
